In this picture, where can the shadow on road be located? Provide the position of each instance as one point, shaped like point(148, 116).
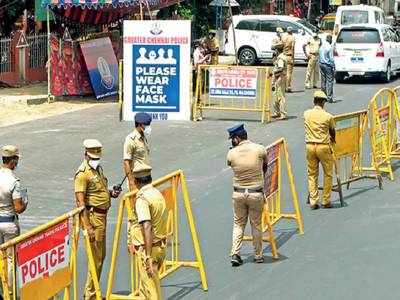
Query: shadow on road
point(184, 289)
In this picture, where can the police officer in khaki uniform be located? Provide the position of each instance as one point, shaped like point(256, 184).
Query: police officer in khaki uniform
point(311, 50)
point(91, 192)
point(13, 199)
point(277, 40)
point(148, 233)
point(213, 45)
point(246, 160)
point(136, 147)
point(319, 136)
point(279, 83)
point(288, 50)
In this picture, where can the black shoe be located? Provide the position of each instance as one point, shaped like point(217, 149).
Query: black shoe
point(236, 260)
point(314, 207)
point(258, 260)
point(328, 205)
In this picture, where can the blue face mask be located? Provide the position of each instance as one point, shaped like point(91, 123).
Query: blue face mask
point(94, 163)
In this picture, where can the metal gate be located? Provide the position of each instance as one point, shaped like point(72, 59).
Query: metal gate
point(5, 56)
point(37, 51)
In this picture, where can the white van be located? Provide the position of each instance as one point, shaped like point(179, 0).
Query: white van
point(367, 50)
point(359, 15)
point(254, 35)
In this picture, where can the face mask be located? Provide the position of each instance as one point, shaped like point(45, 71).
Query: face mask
point(147, 131)
point(94, 163)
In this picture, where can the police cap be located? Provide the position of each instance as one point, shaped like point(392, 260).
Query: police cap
point(93, 148)
point(236, 130)
point(279, 29)
point(289, 29)
point(141, 170)
point(143, 118)
point(9, 151)
point(320, 95)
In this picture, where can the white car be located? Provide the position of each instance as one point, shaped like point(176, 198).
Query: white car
point(254, 35)
point(367, 50)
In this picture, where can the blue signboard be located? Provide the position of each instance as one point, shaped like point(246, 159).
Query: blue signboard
point(156, 80)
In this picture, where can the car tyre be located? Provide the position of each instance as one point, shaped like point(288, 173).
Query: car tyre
point(339, 77)
point(247, 56)
point(387, 76)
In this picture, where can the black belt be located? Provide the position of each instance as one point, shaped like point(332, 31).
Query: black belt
point(96, 209)
point(8, 219)
point(243, 190)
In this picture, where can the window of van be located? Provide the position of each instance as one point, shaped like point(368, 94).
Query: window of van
point(247, 25)
point(358, 36)
point(378, 17)
point(354, 17)
point(328, 24)
point(285, 25)
point(268, 26)
point(308, 25)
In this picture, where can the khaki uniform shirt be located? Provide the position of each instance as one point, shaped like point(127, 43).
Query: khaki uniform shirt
point(288, 45)
point(94, 184)
point(137, 149)
point(313, 46)
point(10, 189)
point(277, 41)
point(317, 123)
point(280, 64)
point(150, 206)
point(247, 160)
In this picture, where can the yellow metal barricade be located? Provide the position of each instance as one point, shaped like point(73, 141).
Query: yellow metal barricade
point(274, 205)
point(348, 151)
point(171, 187)
point(46, 260)
point(396, 91)
point(383, 132)
point(234, 89)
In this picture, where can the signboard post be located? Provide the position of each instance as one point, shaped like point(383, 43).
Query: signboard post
point(43, 263)
point(157, 69)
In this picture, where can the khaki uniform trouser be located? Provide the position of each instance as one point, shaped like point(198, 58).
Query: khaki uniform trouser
point(150, 287)
point(279, 96)
point(319, 153)
point(312, 75)
point(247, 205)
point(289, 72)
point(99, 223)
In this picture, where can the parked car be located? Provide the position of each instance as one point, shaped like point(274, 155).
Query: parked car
point(254, 34)
point(327, 23)
point(367, 50)
point(358, 14)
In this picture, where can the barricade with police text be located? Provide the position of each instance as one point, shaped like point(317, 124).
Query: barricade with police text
point(44, 261)
point(277, 156)
point(384, 115)
point(234, 89)
point(173, 187)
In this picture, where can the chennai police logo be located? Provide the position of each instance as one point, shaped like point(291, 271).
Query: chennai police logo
point(155, 29)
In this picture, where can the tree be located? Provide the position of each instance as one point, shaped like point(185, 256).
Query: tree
point(10, 11)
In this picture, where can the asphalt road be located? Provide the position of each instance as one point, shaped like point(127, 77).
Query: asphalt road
point(345, 253)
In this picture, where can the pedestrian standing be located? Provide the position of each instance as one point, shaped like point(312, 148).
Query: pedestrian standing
point(92, 193)
point(136, 147)
point(319, 137)
point(288, 50)
point(327, 67)
point(279, 83)
point(13, 200)
point(311, 51)
point(276, 41)
point(150, 235)
point(246, 160)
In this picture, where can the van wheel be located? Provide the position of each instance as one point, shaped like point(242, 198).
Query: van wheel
point(339, 77)
point(387, 76)
point(247, 56)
